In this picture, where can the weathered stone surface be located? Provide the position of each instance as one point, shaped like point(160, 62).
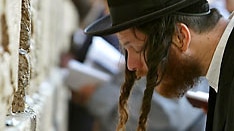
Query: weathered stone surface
point(10, 13)
point(45, 110)
point(33, 33)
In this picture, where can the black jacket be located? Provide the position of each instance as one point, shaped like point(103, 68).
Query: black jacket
point(220, 115)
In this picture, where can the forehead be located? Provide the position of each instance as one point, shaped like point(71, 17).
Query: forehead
point(130, 36)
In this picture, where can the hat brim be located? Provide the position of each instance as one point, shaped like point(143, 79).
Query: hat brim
point(103, 26)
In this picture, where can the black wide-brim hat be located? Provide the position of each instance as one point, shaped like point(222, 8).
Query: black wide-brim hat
point(127, 13)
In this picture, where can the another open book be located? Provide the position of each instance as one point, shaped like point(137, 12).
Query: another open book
point(80, 74)
point(101, 63)
point(198, 98)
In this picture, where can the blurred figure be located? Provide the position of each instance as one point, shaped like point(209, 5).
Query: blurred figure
point(230, 5)
point(224, 6)
point(87, 11)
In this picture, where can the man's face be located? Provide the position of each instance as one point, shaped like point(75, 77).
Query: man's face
point(133, 42)
point(181, 72)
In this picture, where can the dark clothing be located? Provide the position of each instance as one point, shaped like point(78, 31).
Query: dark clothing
point(79, 118)
point(221, 104)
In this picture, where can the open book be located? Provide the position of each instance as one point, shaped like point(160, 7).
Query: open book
point(198, 98)
point(80, 74)
point(105, 55)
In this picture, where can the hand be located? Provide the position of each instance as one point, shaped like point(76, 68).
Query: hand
point(64, 59)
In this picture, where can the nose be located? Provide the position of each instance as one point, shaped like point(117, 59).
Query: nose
point(134, 62)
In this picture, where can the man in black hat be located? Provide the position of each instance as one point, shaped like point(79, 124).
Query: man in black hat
point(173, 43)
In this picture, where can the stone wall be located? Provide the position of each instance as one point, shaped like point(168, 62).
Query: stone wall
point(33, 34)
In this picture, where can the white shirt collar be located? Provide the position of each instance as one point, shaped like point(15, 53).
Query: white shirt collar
point(215, 65)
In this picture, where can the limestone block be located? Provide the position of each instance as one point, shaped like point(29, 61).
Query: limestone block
point(5, 88)
point(46, 110)
point(33, 33)
point(24, 121)
point(9, 44)
point(13, 16)
point(35, 48)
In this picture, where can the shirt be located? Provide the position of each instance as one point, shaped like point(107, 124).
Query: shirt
point(215, 65)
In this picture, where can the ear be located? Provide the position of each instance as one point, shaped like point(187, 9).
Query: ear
point(181, 37)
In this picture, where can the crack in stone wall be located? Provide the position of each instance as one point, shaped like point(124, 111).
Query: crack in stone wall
point(18, 104)
point(25, 32)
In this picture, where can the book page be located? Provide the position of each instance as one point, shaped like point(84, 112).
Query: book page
point(80, 74)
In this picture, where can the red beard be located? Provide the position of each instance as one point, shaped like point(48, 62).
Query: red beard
point(181, 74)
